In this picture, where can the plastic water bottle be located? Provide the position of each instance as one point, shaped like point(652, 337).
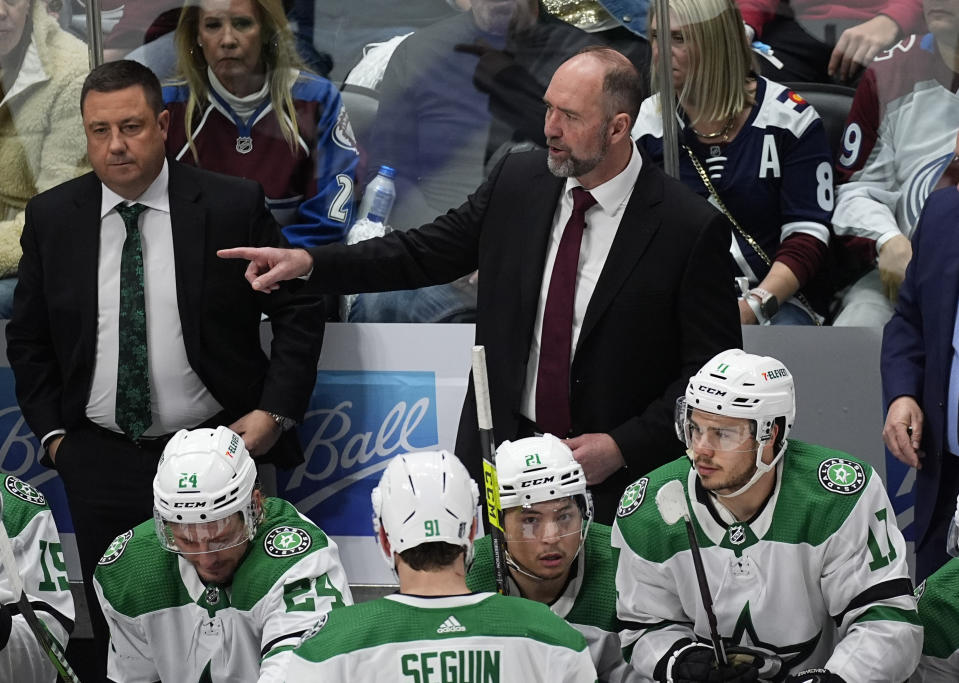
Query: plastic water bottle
point(379, 197)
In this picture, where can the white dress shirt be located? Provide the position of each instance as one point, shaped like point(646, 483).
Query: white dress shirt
point(178, 398)
point(602, 222)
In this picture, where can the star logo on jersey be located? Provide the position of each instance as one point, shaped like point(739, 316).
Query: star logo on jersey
point(116, 548)
point(632, 497)
point(23, 490)
point(314, 629)
point(744, 633)
point(842, 476)
point(286, 541)
point(451, 625)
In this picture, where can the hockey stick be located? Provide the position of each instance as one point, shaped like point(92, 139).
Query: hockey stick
point(484, 418)
point(47, 644)
point(671, 501)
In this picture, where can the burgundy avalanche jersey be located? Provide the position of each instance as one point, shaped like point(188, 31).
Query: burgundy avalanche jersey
point(309, 190)
point(775, 176)
point(899, 138)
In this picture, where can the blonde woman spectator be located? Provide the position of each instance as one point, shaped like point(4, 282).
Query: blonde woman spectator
point(754, 144)
point(41, 135)
point(246, 107)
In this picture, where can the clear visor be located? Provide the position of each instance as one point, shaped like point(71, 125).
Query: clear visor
point(206, 537)
point(550, 520)
point(714, 432)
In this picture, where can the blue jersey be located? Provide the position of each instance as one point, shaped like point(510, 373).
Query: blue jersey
point(775, 176)
point(309, 189)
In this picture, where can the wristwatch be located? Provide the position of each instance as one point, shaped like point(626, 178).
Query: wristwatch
point(284, 423)
point(763, 302)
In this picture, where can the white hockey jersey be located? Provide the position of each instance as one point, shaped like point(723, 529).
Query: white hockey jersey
point(36, 548)
point(456, 639)
point(165, 624)
point(899, 138)
point(818, 577)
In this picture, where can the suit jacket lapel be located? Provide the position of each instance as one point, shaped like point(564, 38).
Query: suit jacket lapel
point(636, 228)
point(188, 220)
point(537, 222)
point(84, 255)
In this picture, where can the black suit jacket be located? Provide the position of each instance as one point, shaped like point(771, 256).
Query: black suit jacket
point(51, 337)
point(662, 307)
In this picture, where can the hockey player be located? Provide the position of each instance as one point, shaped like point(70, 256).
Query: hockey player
point(939, 613)
point(39, 556)
point(802, 556)
point(556, 554)
point(219, 578)
point(434, 629)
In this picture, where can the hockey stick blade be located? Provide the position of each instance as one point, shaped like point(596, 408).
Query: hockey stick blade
point(671, 501)
point(50, 647)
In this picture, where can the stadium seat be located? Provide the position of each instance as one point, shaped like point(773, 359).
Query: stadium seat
point(833, 102)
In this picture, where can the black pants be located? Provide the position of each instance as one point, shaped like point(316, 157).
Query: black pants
point(931, 550)
point(109, 485)
point(804, 48)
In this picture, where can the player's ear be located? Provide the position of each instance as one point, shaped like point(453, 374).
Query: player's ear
point(385, 542)
point(473, 530)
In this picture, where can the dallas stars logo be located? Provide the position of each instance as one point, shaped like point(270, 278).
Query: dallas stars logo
point(116, 548)
point(23, 490)
point(842, 476)
point(632, 497)
point(285, 541)
point(745, 634)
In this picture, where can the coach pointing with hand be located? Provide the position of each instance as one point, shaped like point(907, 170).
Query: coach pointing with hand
point(597, 298)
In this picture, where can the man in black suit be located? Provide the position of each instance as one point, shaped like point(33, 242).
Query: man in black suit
point(126, 329)
point(652, 300)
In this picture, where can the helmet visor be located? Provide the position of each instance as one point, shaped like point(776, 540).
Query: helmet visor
point(547, 521)
point(701, 429)
point(205, 537)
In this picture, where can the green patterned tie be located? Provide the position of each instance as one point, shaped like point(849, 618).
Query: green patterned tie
point(133, 414)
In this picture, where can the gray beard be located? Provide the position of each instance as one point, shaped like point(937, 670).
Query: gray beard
point(572, 167)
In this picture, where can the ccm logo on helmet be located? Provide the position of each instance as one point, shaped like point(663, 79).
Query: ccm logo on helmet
point(775, 374)
point(536, 482)
point(711, 390)
point(191, 504)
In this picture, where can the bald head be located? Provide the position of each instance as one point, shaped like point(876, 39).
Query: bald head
point(622, 86)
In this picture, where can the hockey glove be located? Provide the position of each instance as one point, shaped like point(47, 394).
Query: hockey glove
point(693, 662)
point(814, 676)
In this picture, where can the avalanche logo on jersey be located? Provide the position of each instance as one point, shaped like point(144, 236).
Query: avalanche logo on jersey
point(23, 491)
point(342, 133)
point(842, 476)
point(285, 541)
point(116, 548)
point(632, 497)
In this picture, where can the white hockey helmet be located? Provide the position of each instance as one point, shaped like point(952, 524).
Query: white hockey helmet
point(205, 477)
point(742, 385)
point(425, 497)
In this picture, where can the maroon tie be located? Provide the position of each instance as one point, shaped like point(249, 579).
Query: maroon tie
point(556, 340)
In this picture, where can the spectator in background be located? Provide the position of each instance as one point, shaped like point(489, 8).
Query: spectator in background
point(456, 95)
point(41, 135)
point(820, 40)
point(246, 107)
point(758, 147)
point(339, 29)
point(899, 138)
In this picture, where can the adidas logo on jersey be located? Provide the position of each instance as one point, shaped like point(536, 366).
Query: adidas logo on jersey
point(451, 625)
